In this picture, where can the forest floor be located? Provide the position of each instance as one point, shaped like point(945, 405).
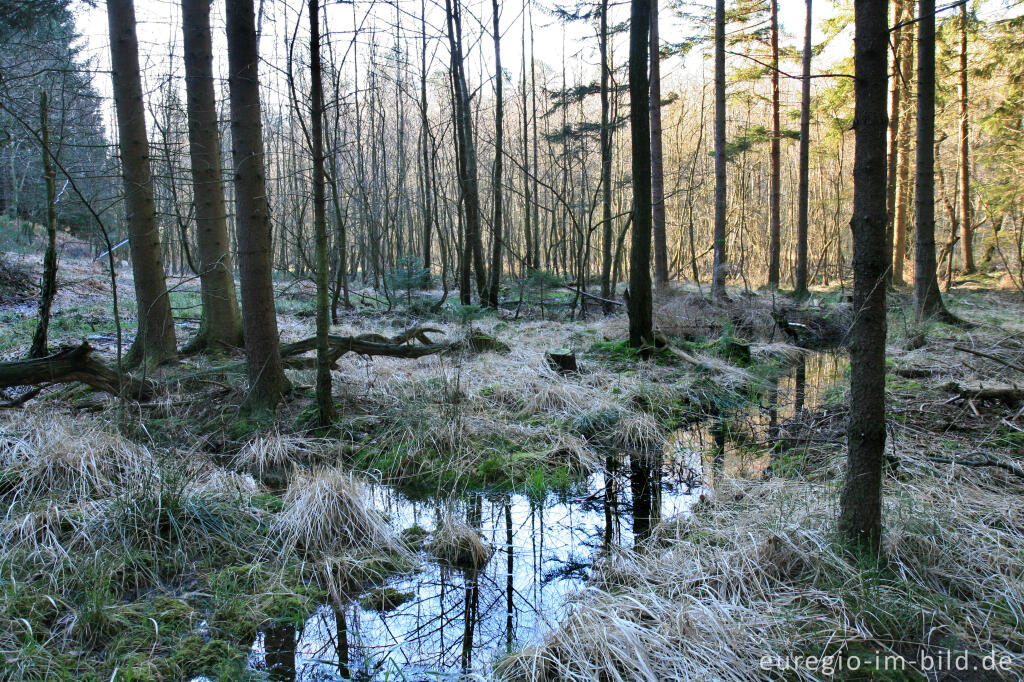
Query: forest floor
point(159, 540)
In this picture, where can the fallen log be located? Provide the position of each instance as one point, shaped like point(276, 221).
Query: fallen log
point(74, 364)
point(399, 346)
point(1008, 395)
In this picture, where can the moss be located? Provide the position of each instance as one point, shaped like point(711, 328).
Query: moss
point(414, 537)
point(192, 656)
point(384, 599)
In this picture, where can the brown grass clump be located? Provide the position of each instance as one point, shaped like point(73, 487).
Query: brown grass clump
point(59, 454)
point(458, 544)
point(327, 511)
point(270, 452)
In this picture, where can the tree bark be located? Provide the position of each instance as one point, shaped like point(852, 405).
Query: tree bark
point(657, 157)
point(641, 326)
point(607, 234)
point(966, 229)
point(49, 288)
point(775, 227)
point(860, 516)
point(896, 124)
point(928, 300)
point(721, 262)
point(474, 255)
point(497, 240)
point(901, 200)
point(221, 325)
point(805, 158)
point(154, 341)
point(252, 222)
point(324, 397)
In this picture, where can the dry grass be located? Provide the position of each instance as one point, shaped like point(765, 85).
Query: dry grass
point(458, 544)
point(58, 454)
point(327, 511)
point(272, 451)
point(757, 573)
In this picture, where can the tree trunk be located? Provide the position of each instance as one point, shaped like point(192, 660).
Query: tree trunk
point(657, 163)
point(805, 158)
point(607, 233)
point(428, 208)
point(474, 257)
point(721, 263)
point(896, 124)
point(926, 285)
point(966, 229)
point(901, 200)
point(252, 216)
point(154, 341)
point(221, 325)
point(324, 398)
point(641, 326)
point(49, 288)
point(497, 241)
point(860, 516)
point(775, 227)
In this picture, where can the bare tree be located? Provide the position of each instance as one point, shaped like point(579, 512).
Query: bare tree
point(154, 341)
point(926, 284)
point(721, 263)
point(641, 325)
point(657, 157)
point(252, 214)
point(803, 198)
point(221, 323)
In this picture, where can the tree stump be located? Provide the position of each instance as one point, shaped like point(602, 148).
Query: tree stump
point(562, 361)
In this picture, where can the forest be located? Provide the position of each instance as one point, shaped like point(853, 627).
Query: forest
point(511, 340)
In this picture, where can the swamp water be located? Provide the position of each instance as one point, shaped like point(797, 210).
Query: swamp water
point(458, 623)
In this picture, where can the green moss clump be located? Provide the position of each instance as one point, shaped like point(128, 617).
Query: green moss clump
point(384, 599)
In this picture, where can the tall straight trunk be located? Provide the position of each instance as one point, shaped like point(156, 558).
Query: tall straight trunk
point(775, 227)
point(497, 241)
point(926, 285)
point(966, 229)
point(721, 263)
point(536, 163)
point(474, 255)
point(860, 515)
point(803, 199)
point(527, 208)
point(896, 124)
point(49, 289)
point(428, 209)
point(154, 341)
point(221, 325)
point(657, 157)
point(252, 215)
point(901, 198)
point(641, 325)
point(324, 399)
point(606, 166)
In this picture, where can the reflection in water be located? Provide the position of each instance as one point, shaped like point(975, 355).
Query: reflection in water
point(463, 621)
point(279, 653)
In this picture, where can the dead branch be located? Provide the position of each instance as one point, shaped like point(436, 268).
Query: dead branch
point(74, 364)
point(981, 460)
point(1005, 363)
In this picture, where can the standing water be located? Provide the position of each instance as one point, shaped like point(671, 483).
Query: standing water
point(459, 622)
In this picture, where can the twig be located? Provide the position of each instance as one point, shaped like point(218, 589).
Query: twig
point(1005, 363)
